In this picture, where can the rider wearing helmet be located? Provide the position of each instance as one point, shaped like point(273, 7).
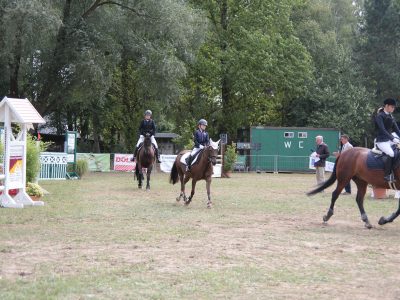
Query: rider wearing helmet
point(201, 139)
point(147, 127)
point(385, 125)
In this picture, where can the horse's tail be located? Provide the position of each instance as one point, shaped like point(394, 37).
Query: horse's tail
point(173, 178)
point(327, 183)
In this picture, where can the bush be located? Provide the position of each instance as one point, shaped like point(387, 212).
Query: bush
point(33, 189)
point(82, 167)
point(230, 158)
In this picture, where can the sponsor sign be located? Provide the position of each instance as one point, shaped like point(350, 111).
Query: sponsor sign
point(123, 162)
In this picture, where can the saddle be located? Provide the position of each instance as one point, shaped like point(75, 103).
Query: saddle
point(374, 158)
point(195, 158)
point(141, 146)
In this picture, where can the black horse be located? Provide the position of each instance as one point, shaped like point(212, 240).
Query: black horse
point(145, 159)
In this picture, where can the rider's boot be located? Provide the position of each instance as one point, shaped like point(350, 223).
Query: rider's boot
point(188, 162)
point(387, 167)
point(157, 155)
point(135, 153)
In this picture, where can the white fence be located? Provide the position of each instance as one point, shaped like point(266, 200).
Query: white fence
point(276, 163)
point(53, 166)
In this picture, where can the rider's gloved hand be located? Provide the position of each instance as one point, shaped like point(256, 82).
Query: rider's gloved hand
point(396, 141)
point(201, 146)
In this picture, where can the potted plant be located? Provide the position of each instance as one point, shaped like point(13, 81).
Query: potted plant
point(230, 158)
point(34, 191)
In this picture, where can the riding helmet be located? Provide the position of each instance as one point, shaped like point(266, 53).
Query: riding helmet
point(202, 122)
point(389, 101)
point(148, 112)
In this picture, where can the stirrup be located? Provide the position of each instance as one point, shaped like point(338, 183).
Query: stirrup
point(389, 178)
point(376, 151)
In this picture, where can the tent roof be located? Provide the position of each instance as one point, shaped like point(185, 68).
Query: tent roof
point(21, 111)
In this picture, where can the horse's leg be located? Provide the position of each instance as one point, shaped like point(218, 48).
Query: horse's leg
point(384, 220)
point(361, 190)
point(208, 185)
point(192, 192)
point(140, 175)
point(182, 194)
point(335, 194)
point(148, 173)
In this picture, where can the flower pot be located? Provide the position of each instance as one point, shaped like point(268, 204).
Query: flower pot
point(35, 198)
point(379, 193)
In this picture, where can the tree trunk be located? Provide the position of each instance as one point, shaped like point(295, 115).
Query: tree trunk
point(15, 64)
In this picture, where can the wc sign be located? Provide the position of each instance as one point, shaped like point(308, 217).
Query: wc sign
point(288, 144)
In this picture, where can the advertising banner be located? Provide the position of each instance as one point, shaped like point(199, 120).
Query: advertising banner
point(16, 179)
point(123, 162)
point(97, 162)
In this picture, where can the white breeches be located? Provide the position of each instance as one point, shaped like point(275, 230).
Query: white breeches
point(141, 140)
point(194, 151)
point(386, 148)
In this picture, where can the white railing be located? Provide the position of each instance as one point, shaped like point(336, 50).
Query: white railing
point(273, 163)
point(53, 166)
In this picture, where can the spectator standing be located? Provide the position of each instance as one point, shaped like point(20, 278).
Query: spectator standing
point(322, 153)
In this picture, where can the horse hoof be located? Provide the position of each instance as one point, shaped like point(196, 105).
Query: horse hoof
point(382, 221)
point(178, 199)
point(325, 218)
point(209, 205)
point(368, 225)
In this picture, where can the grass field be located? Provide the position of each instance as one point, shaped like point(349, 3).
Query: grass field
point(102, 238)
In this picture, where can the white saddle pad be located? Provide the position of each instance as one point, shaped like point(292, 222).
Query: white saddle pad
point(186, 155)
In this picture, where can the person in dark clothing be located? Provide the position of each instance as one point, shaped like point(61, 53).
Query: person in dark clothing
point(322, 153)
point(201, 140)
point(147, 127)
point(385, 124)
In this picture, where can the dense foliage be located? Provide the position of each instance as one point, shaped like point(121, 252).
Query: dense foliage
point(96, 65)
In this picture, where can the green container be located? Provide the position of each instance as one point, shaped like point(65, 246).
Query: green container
point(278, 149)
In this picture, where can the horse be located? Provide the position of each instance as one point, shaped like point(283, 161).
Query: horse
point(352, 164)
point(202, 169)
point(145, 159)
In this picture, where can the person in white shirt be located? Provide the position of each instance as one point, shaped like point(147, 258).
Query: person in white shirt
point(344, 141)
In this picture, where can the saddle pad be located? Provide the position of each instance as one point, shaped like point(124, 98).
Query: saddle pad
point(186, 155)
point(374, 161)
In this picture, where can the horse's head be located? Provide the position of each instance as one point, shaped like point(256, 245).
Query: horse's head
point(213, 151)
point(147, 140)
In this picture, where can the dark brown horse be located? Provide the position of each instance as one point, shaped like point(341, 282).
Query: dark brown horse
point(352, 164)
point(145, 159)
point(202, 169)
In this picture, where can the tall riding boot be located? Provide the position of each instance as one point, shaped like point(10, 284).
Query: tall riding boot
point(135, 153)
point(387, 167)
point(157, 155)
point(188, 162)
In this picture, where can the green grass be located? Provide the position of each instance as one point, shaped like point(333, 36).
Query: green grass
point(102, 238)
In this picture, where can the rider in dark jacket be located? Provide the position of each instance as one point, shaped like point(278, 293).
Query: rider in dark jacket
point(385, 125)
point(201, 140)
point(147, 127)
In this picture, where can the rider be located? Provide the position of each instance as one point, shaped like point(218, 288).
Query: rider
point(147, 127)
point(201, 140)
point(385, 125)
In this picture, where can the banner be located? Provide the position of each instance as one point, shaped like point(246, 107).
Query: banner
point(123, 162)
point(167, 162)
point(97, 162)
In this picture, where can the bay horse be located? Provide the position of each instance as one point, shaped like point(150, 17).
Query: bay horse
point(145, 159)
point(202, 169)
point(352, 164)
